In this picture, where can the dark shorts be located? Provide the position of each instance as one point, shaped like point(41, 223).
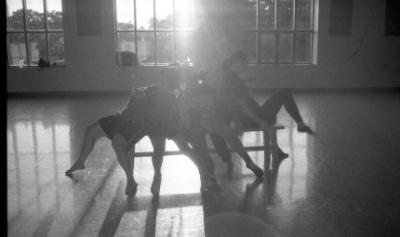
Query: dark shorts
point(132, 132)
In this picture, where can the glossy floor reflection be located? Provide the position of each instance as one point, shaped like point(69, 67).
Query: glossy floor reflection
point(343, 182)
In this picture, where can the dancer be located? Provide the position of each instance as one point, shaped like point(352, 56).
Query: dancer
point(151, 111)
point(236, 102)
point(198, 101)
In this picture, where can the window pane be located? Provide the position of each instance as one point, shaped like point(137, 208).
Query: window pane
point(285, 14)
point(285, 47)
point(125, 14)
point(34, 14)
point(164, 11)
point(267, 14)
point(144, 13)
point(56, 47)
point(54, 14)
point(267, 47)
point(15, 18)
point(37, 47)
point(247, 13)
point(303, 47)
point(165, 43)
point(184, 44)
point(248, 45)
point(126, 41)
point(16, 49)
point(303, 14)
point(185, 14)
point(145, 46)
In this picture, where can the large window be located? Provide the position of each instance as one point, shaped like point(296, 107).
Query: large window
point(35, 31)
point(279, 31)
point(270, 31)
point(162, 31)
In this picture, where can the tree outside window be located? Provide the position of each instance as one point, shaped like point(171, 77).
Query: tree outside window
point(35, 31)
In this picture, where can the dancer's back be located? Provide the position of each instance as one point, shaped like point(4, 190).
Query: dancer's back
point(155, 108)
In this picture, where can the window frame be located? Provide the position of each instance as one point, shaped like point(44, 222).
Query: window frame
point(276, 33)
point(155, 31)
point(27, 31)
point(257, 30)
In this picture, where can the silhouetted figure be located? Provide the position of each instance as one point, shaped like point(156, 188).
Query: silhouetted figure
point(151, 111)
point(198, 102)
point(236, 103)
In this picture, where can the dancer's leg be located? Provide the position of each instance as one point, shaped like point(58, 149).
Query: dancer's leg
point(121, 148)
point(198, 140)
point(222, 150)
point(157, 159)
point(218, 127)
point(283, 98)
point(92, 133)
point(131, 154)
point(272, 106)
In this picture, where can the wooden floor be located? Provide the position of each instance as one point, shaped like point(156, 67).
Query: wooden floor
point(343, 182)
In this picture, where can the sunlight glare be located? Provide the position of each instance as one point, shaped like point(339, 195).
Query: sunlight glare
point(125, 11)
point(185, 14)
point(180, 175)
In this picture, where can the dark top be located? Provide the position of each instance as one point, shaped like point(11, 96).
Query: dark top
point(232, 94)
point(155, 109)
point(198, 100)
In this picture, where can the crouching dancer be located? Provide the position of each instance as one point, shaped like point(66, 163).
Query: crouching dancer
point(151, 111)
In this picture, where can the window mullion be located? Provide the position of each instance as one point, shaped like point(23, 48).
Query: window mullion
point(294, 34)
point(258, 36)
point(135, 28)
point(313, 57)
point(173, 32)
point(116, 30)
point(276, 51)
point(26, 32)
point(155, 32)
point(46, 29)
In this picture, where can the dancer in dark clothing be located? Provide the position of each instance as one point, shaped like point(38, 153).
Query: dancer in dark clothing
point(199, 103)
point(151, 111)
point(236, 103)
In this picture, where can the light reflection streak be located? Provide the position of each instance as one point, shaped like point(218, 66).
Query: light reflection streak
point(32, 171)
point(17, 170)
point(55, 159)
point(292, 162)
point(35, 148)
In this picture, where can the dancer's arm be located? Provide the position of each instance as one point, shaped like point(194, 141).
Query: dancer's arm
point(249, 112)
point(238, 92)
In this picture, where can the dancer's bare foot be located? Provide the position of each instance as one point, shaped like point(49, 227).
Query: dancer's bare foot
point(155, 186)
point(131, 188)
point(256, 170)
point(281, 156)
point(72, 169)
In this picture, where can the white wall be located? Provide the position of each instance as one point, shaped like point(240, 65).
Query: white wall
point(366, 58)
